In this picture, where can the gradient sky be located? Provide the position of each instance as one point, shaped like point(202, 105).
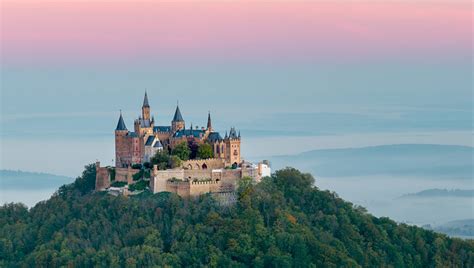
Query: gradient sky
point(36, 32)
point(361, 71)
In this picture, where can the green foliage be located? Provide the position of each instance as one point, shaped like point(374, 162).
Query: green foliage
point(182, 151)
point(118, 184)
point(83, 184)
point(137, 166)
point(281, 222)
point(161, 158)
point(175, 161)
point(139, 185)
point(205, 151)
point(139, 175)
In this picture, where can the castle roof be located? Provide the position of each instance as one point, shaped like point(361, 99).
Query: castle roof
point(145, 101)
point(132, 134)
point(177, 115)
point(214, 136)
point(149, 141)
point(158, 144)
point(196, 133)
point(153, 141)
point(233, 133)
point(162, 129)
point(121, 123)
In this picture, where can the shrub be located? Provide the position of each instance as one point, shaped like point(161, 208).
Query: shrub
point(118, 184)
point(138, 186)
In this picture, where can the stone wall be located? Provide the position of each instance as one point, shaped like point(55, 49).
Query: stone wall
point(193, 182)
point(180, 188)
point(198, 188)
point(160, 178)
point(211, 163)
point(102, 178)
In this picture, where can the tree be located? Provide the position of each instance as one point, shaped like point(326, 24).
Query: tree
point(175, 161)
point(205, 151)
point(182, 151)
point(161, 158)
point(273, 224)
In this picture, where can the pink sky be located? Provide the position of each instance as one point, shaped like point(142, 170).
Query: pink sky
point(38, 30)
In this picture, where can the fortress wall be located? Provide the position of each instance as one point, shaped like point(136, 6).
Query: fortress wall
point(211, 163)
point(180, 188)
point(102, 179)
point(202, 187)
point(125, 174)
point(160, 178)
point(197, 174)
point(250, 172)
point(231, 174)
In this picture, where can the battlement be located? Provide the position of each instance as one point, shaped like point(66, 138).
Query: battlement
point(203, 182)
point(202, 164)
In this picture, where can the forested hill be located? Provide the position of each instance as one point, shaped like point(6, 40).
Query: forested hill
point(281, 222)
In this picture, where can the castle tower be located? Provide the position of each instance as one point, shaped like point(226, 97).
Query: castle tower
point(121, 144)
point(209, 123)
point(178, 121)
point(232, 144)
point(146, 108)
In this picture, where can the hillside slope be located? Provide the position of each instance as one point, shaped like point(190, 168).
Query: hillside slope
point(281, 222)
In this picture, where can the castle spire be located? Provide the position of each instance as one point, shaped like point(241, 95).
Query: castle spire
point(209, 123)
point(121, 123)
point(177, 115)
point(145, 100)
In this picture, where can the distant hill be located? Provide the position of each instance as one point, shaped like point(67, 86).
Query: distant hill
point(403, 159)
point(459, 228)
point(281, 222)
point(14, 180)
point(440, 193)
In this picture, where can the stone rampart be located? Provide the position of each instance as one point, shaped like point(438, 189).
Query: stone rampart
point(201, 164)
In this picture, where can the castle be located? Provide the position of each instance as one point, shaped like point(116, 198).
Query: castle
point(140, 145)
point(217, 174)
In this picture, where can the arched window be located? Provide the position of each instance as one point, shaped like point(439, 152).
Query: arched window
point(204, 166)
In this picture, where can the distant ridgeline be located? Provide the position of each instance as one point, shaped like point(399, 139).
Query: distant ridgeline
point(441, 193)
point(187, 161)
point(15, 179)
point(283, 221)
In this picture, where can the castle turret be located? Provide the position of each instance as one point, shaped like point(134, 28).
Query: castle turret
point(232, 144)
point(121, 145)
point(178, 121)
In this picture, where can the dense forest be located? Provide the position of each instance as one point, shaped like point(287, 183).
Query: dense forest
point(284, 221)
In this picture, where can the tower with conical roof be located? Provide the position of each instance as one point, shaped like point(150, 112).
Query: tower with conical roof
point(122, 151)
point(177, 123)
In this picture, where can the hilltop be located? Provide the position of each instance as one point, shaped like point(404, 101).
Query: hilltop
point(283, 221)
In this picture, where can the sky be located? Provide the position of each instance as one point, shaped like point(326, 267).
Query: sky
point(303, 74)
